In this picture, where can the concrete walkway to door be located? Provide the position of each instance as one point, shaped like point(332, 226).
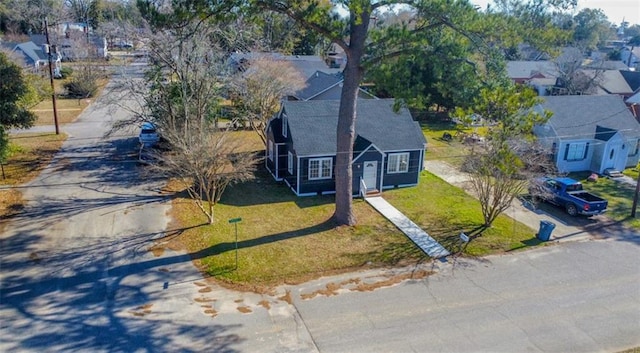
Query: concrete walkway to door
point(429, 245)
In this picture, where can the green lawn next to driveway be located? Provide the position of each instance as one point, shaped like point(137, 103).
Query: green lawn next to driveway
point(453, 151)
point(619, 196)
point(444, 211)
point(287, 239)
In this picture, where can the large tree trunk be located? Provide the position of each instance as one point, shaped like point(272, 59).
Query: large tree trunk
point(347, 122)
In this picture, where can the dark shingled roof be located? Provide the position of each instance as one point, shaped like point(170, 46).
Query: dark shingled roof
point(313, 126)
point(632, 78)
point(576, 117)
point(318, 83)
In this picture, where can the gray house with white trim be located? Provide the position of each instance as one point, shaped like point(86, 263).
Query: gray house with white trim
point(590, 133)
point(388, 150)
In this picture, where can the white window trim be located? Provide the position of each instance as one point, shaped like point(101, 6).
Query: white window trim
point(290, 163)
point(270, 150)
point(321, 169)
point(576, 151)
point(284, 125)
point(395, 167)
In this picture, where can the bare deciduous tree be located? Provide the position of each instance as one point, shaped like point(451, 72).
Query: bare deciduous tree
point(573, 77)
point(182, 96)
point(258, 90)
point(205, 161)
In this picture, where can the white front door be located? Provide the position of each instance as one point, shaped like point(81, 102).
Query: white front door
point(611, 158)
point(370, 174)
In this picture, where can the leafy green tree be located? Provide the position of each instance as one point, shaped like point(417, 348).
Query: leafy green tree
point(24, 17)
point(15, 95)
point(591, 28)
point(497, 167)
point(533, 22)
point(632, 31)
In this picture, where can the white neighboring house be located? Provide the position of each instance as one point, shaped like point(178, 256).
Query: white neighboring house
point(36, 58)
point(590, 133)
point(75, 44)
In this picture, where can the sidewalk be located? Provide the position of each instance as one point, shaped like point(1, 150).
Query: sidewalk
point(429, 245)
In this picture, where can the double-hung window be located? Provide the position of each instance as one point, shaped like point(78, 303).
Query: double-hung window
point(290, 163)
point(576, 151)
point(398, 163)
point(284, 125)
point(320, 168)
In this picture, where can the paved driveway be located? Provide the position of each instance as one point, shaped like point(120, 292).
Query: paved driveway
point(567, 228)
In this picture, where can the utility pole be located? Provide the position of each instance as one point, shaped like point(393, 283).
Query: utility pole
point(53, 88)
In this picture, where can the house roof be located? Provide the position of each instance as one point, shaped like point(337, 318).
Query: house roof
point(307, 65)
point(635, 99)
point(526, 69)
point(318, 83)
point(313, 126)
point(605, 65)
point(32, 52)
point(578, 117)
point(632, 78)
point(604, 133)
point(611, 81)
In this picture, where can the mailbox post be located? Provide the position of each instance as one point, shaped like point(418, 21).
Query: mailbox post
point(235, 222)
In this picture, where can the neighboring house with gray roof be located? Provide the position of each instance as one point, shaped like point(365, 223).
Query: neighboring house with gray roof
point(34, 56)
point(324, 86)
point(634, 104)
point(590, 133)
point(301, 146)
point(609, 82)
point(306, 65)
point(523, 71)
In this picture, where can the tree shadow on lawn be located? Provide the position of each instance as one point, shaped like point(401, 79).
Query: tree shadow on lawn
point(266, 239)
point(264, 190)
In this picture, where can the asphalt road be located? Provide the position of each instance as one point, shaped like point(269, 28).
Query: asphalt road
point(78, 274)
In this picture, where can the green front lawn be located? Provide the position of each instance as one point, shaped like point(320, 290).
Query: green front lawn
point(444, 211)
point(619, 195)
point(284, 238)
point(453, 151)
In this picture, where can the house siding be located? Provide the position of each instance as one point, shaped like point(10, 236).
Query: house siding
point(268, 163)
point(565, 166)
point(400, 179)
point(309, 187)
point(291, 179)
point(358, 168)
point(633, 157)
